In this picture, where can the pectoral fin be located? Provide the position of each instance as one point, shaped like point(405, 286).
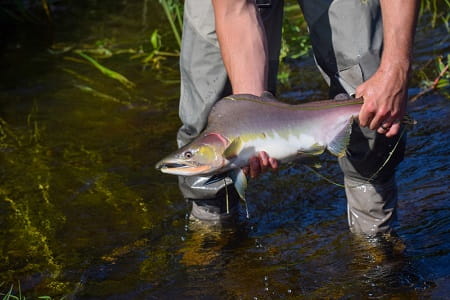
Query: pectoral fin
point(234, 148)
point(340, 143)
point(315, 150)
point(216, 178)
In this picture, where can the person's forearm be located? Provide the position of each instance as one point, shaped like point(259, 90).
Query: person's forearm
point(385, 93)
point(243, 45)
point(399, 23)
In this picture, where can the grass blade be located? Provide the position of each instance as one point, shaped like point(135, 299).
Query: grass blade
point(108, 72)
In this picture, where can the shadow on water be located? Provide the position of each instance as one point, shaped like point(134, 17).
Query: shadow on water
point(85, 215)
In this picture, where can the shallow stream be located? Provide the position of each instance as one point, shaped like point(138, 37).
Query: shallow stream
point(84, 214)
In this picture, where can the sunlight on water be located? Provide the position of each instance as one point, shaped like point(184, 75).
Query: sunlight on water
point(85, 215)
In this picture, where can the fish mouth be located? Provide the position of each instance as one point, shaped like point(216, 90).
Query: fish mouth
point(182, 168)
point(171, 166)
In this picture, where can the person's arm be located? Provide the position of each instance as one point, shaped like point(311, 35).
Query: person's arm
point(385, 93)
point(243, 46)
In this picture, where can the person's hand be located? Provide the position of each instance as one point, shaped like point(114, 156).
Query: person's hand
point(260, 164)
point(385, 97)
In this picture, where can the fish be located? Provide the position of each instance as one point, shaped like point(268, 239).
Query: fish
point(241, 126)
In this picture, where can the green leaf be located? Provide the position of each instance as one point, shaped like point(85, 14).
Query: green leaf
point(441, 65)
point(155, 39)
point(443, 83)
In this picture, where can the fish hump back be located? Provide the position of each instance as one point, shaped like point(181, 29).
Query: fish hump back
point(231, 105)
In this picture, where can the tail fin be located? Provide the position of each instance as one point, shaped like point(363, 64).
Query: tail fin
point(339, 144)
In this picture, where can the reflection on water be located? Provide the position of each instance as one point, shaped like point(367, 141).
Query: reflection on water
point(84, 214)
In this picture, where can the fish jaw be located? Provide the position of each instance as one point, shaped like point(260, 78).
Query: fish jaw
point(180, 167)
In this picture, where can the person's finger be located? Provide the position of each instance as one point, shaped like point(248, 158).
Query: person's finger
point(273, 163)
point(386, 125)
point(264, 157)
point(383, 129)
point(365, 116)
point(382, 117)
point(376, 122)
point(394, 130)
point(359, 92)
point(255, 168)
point(264, 160)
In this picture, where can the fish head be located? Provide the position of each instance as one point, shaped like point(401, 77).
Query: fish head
point(200, 157)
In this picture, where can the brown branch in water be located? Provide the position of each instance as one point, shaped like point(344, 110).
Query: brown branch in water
point(432, 87)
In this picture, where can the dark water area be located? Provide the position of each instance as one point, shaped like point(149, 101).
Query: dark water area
point(84, 214)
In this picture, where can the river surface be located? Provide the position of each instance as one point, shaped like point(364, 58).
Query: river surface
point(84, 214)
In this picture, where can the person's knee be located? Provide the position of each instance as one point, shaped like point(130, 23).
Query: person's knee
point(372, 207)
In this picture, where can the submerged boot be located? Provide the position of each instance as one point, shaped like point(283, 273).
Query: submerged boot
point(209, 200)
point(214, 209)
point(218, 208)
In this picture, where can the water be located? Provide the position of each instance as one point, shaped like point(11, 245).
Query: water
point(84, 214)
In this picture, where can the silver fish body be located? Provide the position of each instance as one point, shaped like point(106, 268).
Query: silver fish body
point(240, 126)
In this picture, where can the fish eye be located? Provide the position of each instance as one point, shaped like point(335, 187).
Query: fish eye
point(188, 154)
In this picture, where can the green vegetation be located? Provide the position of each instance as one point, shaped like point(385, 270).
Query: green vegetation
point(55, 178)
point(11, 294)
point(295, 40)
point(172, 9)
point(76, 185)
point(438, 10)
point(441, 82)
point(434, 73)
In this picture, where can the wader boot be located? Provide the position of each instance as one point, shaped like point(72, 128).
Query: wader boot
point(216, 209)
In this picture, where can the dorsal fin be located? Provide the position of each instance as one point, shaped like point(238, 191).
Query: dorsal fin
point(339, 144)
point(240, 97)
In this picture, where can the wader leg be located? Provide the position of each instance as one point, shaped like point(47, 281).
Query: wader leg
point(203, 82)
point(371, 208)
point(370, 188)
point(347, 38)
